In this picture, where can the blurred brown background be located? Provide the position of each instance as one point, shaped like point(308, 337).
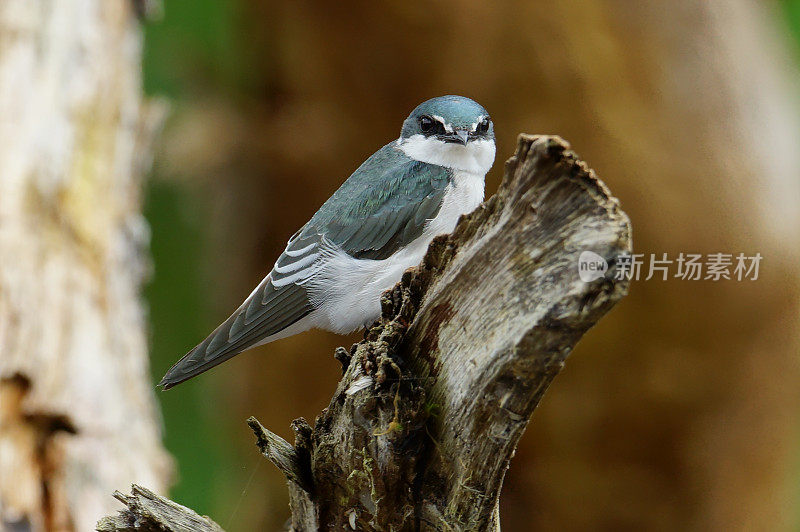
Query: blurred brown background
point(679, 411)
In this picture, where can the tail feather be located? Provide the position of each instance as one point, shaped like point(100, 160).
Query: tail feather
point(277, 310)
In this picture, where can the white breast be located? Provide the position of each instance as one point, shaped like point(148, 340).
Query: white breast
point(347, 291)
point(462, 196)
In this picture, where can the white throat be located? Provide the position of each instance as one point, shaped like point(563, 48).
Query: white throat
point(476, 157)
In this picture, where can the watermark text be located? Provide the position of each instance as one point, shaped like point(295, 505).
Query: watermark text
point(662, 266)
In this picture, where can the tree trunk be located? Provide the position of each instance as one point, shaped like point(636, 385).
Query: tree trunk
point(423, 425)
point(77, 412)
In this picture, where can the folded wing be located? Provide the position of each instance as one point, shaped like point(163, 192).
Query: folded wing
point(382, 207)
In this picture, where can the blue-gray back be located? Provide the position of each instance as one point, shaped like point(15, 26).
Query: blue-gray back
point(381, 207)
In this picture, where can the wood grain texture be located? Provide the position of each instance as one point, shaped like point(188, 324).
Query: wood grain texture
point(147, 512)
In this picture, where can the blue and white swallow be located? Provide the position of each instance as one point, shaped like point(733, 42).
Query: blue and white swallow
point(358, 244)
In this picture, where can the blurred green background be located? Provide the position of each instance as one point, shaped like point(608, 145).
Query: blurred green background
point(275, 103)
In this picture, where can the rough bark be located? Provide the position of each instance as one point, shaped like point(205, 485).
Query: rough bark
point(423, 425)
point(77, 412)
point(147, 512)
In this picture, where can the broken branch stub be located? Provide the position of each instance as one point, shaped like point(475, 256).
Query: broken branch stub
point(147, 512)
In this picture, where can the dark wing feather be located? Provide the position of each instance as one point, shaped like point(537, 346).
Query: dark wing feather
point(373, 222)
point(276, 310)
point(382, 207)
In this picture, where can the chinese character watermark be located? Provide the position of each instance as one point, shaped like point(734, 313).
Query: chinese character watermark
point(684, 266)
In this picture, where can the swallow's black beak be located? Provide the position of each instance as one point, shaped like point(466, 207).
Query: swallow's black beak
point(459, 136)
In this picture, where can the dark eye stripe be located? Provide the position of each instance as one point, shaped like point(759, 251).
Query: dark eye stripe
point(430, 126)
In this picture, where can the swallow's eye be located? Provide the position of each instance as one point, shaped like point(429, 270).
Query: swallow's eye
point(483, 126)
point(426, 123)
